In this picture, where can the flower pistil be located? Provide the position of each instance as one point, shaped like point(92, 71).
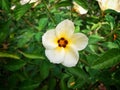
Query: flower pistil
point(62, 42)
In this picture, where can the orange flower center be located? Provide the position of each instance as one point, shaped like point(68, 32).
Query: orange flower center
point(62, 42)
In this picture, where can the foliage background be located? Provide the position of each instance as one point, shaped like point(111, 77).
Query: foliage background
point(23, 64)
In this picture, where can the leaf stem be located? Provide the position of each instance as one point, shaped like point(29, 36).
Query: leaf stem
point(48, 12)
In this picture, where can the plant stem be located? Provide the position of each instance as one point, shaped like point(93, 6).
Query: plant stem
point(48, 12)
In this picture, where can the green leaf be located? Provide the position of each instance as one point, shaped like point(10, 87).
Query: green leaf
point(31, 56)
point(63, 4)
point(77, 29)
point(8, 55)
point(14, 65)
point(96, 26)
point(38, 36)
point(44, 70)
point(111, 11)
point(110, 58)
point(63, 83)
point(71, 82)
point(110, 20)
point(91, 58)
point(78, 83)
point(21, 10)
point(52, 84)
point(5, 5)
point(93, 39)
point(42, 23)
point(28, 85)
point(4, 32)
point(14, 78)
point(93, 49)
point(25, 37)
point(45, 87)
point(78, 72)
point(82, 3)
point(110, 45)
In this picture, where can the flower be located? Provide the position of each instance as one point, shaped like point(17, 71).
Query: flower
point(13, 7)
point(109, 4)
point(79, 9)
point(22, 2)
point(62, 44)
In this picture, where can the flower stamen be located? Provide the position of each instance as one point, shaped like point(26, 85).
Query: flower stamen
point(62, 42)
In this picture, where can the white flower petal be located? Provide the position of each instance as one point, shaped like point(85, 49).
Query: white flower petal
point(13, 7)
point(32, 1)
point(49, 39)
point(109, 4)
point(71, 57)
point(65, 29)
point(79, 41)
point(82, 10)
point(79, 9)
point(55, 55)
point(22, 2)
point(114, 4)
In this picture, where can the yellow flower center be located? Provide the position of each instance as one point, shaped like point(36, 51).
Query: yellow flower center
point(62, 42)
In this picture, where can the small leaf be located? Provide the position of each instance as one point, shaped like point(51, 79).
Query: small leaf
point(77, 29)
point(25, 38)
point(63, 84)
point(91, 58)
point(38, 36)
point(44, 70)
point(5, 5)
point(52, 84)
point(82, 3)
point(110, 20)
point(63, 4)
point(78, 72)
point(110, 45)
point(45, 87)
point(31, 56)
point(110, 58)
point(96, 26)
point(79, 83)
point(71, 82)
point(8, 55)
point(4, 32)
point(93, 48)
point(42, 23)
point(21, 10)
point(28, 85)
point(93, 39)
point(14, 65)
